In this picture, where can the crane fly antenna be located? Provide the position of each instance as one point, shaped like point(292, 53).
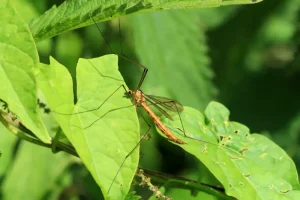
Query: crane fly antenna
point(122, 55)
point(106, 43)
point(142, 78)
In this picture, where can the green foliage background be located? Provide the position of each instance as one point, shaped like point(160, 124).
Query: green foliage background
point(246, 57)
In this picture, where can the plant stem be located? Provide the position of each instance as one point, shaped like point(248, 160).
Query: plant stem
point(180, 182)
point(22, 132)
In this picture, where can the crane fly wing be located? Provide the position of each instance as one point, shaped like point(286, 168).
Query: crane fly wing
point(165, 102)
point(156, 105)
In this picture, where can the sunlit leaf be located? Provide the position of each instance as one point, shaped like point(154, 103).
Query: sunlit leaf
point(101, 138)
point(18, 63)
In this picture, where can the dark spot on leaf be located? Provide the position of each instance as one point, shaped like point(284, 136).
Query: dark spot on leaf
point(230, 185)
point(284, 191)
point(47, 110)
point(236, 132)
point(246, 135)
point(247, 175)
point(221, 137)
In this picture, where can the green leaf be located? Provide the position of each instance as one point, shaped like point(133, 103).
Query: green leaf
point(244, 163)
point(18, 62)
point(76, 13)
point(26, 9)
point(6, 149)
point(101, 138)
point(34, 166)
point(132, 196)
point(176, 47)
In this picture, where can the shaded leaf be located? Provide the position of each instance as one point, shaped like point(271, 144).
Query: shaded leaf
point(6, 149)
point(76, 13)
point(176, 56)
point(34, 166)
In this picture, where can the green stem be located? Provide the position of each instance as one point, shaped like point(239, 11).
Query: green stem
point(22, 132)
point(185, 183)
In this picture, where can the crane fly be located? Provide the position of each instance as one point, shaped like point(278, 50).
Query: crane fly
point(138, 99)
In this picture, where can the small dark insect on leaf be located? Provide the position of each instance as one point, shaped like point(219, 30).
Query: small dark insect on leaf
point(43, 106)
point(47, 110)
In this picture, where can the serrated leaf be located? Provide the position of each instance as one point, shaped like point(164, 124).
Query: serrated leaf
point(18, 61)
point(76, 13)
point(101, 145)
point(176, 48)
point(244, 163)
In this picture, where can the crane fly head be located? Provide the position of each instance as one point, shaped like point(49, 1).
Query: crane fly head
point(137, 95)
point(128, 94)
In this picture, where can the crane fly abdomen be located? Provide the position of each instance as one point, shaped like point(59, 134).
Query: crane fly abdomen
point(160, 125)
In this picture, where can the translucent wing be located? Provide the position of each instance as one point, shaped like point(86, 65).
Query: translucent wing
point(165, 102)
point(156, 105)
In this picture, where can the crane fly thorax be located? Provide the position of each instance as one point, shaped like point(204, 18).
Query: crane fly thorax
point(139, 96)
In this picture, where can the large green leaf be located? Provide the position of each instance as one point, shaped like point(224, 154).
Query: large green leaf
point(33, 167)
point(6, 149)
point(244, 163)
point(101, 145)
point(18, 62)
point(76, 13)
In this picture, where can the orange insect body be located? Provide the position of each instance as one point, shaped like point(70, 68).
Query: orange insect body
point(140, 99)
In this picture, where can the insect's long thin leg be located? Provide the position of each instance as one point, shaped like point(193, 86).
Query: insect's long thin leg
point(122, 55)
point(104, 115)
point(104, 76)
point(106, 43)
point(180, 119)
point(107, 98)
point(102, 105)
point(142, 138)
point(142, 78)
point(120, 35)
